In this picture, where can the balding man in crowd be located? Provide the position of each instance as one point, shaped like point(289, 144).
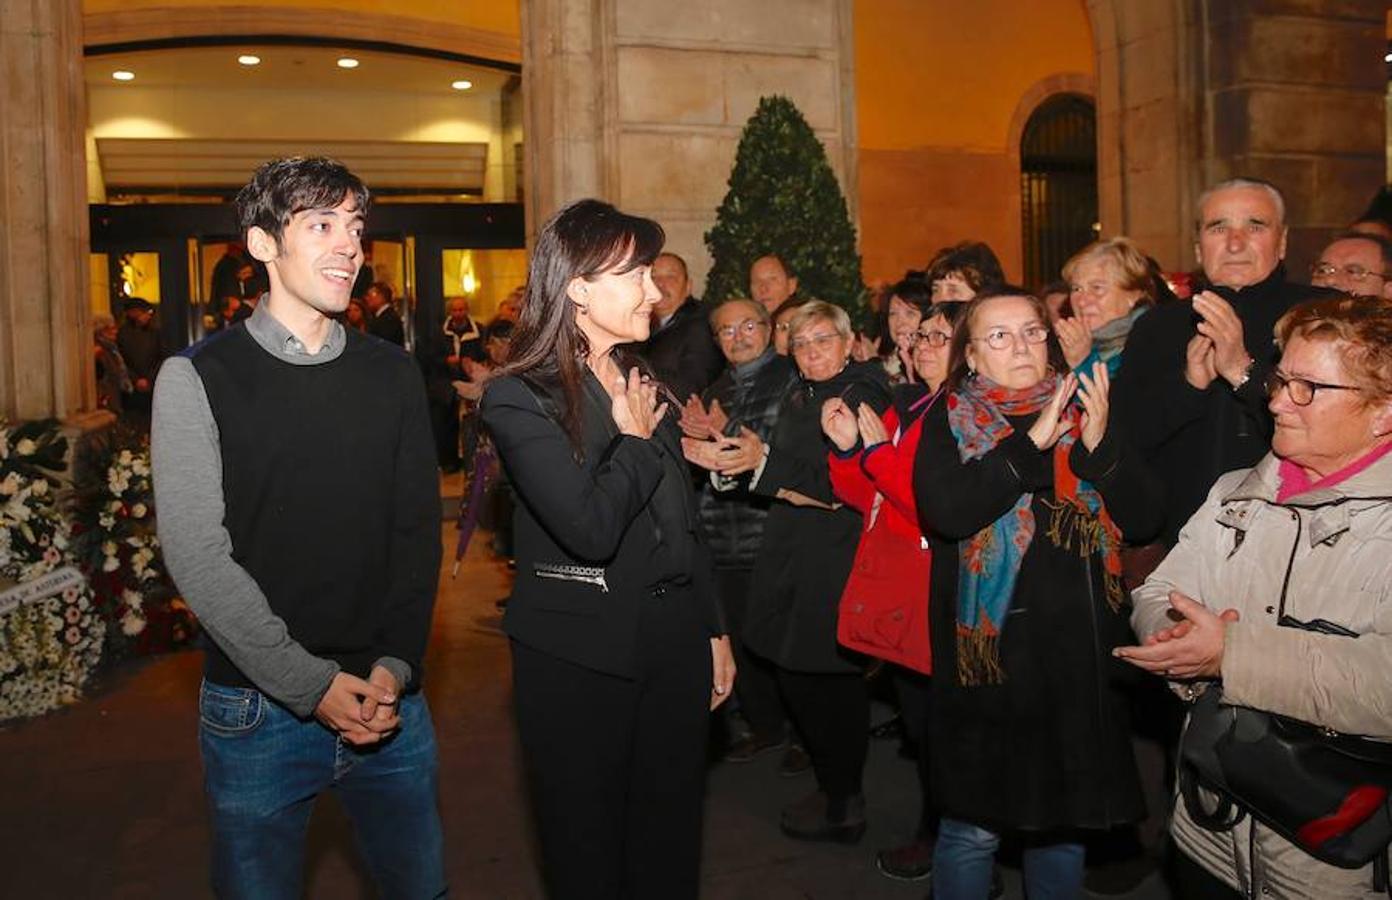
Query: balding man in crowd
point(747, 394)
point(1191, 391)
point(771, 282)
point(680, 349)
point(1356, 263)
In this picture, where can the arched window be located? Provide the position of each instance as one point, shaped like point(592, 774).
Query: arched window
point(1058, 184)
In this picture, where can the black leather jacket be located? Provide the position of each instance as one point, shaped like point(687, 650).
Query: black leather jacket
point(751, 394)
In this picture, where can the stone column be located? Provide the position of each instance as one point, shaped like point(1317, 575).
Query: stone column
point(1295, 94)
point(642, 102)
point(1191, 92)
point(45, 332)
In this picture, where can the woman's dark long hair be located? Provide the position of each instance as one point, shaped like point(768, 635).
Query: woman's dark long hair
point(583, 240)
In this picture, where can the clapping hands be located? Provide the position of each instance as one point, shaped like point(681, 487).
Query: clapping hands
point(634, 404)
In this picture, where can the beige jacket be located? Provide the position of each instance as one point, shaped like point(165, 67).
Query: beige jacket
point(1325, 554)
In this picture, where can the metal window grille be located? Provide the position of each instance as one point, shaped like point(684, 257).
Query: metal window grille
point(1058, 184)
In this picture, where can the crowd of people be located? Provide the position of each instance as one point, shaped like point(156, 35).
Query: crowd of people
point(1045, 518)
point(987, 457)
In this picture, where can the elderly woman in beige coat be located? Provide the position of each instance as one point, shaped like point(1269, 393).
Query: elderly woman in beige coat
point(1305, 534)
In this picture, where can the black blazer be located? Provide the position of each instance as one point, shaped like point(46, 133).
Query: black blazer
point(386, 324)
point(595, 538)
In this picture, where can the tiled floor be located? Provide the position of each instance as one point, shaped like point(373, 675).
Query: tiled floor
point(103, 800)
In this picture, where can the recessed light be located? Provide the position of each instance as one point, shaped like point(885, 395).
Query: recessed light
point(123, 75)
point(1387, 58)
point(461, 85)
point(347, 62)
point(248, 59)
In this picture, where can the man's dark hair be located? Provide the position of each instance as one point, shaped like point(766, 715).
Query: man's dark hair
point(1383, 244)
point(975, 261)
point(1379, 208)
point(787, 272)
point(283, 187)
point(498, 329)
point(382, 288)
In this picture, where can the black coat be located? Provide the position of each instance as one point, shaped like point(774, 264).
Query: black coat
point(1187, 436)
point(625, 514)
point(683, 353)
point(386, 324)
point(1049, 746)
point(751, 395)
point(807, 552)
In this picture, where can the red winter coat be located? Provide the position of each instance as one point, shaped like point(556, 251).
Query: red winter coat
point(884, 608)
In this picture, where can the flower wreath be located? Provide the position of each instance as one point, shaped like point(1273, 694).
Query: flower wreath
point(50, 645)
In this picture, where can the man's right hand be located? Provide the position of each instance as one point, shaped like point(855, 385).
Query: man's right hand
point(341, 709)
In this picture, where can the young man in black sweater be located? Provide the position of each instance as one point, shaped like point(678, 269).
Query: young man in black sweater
point(299, 512)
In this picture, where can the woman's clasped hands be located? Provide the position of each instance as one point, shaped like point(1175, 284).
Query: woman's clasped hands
point(634, 404)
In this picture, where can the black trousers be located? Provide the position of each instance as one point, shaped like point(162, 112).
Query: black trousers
point(833, 714)
point(756, 686)
point(915, 691)
point(616, 767)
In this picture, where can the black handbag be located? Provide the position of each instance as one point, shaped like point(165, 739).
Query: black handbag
point(1328, 794)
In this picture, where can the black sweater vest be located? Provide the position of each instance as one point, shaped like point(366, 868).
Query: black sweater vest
point(312, 483)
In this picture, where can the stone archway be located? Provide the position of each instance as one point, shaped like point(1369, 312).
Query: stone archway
point(168, 23)
point(1030, 101)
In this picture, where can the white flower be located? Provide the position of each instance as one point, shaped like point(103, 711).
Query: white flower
point(138, 511)
point(132, 623)
point(132, 599)
point(107, 521)
point(40, 488)
point(25, 447)
point(11, 484)
point(124, 457)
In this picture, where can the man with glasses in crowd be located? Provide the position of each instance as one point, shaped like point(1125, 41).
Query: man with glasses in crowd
point(747, 394)
point(1356, 263)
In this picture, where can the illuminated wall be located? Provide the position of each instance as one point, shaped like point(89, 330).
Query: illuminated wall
point(938, 86)
point(487, 15)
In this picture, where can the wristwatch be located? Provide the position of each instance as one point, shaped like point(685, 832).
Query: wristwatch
point(1246, 374)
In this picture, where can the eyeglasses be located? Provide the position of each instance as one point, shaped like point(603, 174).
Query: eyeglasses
point(1001, 338)
point(748, 328)
point(1355, 273)
point(931, 338)
point(1301, 390)
point(821, 341)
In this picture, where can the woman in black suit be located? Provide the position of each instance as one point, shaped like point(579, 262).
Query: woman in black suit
point(617, 646)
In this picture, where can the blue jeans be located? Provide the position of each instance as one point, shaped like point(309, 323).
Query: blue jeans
point(262, 769)
point(964, 856)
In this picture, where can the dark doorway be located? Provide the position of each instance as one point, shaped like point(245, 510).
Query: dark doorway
point(1058, 184)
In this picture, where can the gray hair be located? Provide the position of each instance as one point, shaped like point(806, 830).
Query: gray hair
point(100, 323)
point(820, 310)
point(1252, 183)
point(756, 307)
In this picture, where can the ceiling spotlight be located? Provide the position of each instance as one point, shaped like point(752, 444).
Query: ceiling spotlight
point(123, 75)
point(248, 59)
point(347, 62)
point(461, 85)
point(1387, 58)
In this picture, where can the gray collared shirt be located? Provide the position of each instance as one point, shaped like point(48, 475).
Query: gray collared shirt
point(280, 342)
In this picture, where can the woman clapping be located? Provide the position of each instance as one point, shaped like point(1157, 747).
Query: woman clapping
point(1027, 496)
